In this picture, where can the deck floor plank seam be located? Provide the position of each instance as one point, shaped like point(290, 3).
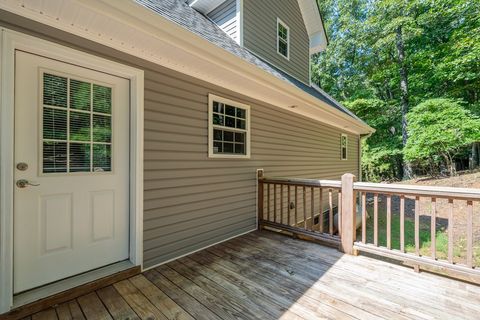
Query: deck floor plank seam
point(266, 275)
point(376, 280)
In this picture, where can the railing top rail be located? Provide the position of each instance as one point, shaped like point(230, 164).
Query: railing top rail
point(334, 184)
point(422, 191)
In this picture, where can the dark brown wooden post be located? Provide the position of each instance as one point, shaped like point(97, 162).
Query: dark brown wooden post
point(260, 198)
point(348, 230)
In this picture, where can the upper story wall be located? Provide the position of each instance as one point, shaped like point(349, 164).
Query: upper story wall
point(260, 35)
point(225, 16)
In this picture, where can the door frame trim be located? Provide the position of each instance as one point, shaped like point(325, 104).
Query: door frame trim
point(11, 41)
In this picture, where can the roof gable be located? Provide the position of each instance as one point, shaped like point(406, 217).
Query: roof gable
point(310, 12)
point(314, 24)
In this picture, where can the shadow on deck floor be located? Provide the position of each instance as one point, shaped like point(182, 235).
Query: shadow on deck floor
point(263, 275)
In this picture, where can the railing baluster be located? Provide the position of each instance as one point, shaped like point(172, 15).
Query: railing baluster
point(402, 223)
point(470, 234)
point(304, 208)
point(288, 205)
point(433, 229)
point(274, 203)
point(320, 222)
point(347, 202)
point(281, 203)
point(296, 206)
point(417, 226)
point(268, 202)
point(330, 211)
point(389, 222)
point(375, 219)
point(364, 217)
point(450, 231)
point(312, 205)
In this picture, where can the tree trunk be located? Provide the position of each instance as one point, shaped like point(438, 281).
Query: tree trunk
point(474, 157)
point(407, 169)
point(450, 164)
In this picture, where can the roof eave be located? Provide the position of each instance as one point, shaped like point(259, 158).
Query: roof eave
point(126, 17)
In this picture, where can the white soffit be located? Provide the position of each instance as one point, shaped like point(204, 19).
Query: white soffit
point(131, 28)
point(313, 23)
point(205, 6)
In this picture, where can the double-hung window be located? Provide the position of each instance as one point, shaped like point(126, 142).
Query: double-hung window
point(344, 146)
point(283, 39)
point(229, 128)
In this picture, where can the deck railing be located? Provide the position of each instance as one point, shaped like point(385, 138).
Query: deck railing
point(428, 197)
point(303, 207)
point(311, 208)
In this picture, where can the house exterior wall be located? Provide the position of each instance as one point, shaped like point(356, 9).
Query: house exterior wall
point(260, 35)
point(225, 16)
point(190, 200)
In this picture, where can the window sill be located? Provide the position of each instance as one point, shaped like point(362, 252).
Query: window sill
point(228, 156)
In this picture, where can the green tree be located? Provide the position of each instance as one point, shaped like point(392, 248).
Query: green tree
point(400, 53)
point(381, 153)
point(440, 128)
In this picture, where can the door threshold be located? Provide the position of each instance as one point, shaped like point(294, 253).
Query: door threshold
point(64, 290)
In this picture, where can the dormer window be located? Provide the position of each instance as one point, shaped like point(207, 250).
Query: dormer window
point(283, 39)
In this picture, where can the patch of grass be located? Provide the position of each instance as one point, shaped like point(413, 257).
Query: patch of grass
point(441, 238)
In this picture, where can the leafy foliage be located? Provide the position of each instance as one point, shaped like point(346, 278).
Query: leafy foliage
point(382, 153)
point(361, 66)
point(440, 128)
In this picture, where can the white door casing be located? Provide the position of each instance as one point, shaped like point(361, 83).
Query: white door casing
point(74, 215)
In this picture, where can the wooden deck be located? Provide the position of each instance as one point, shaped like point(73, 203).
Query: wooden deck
point(270, 276)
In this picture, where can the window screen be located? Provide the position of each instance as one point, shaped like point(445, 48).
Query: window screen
point(228, 128)
point(77, 126)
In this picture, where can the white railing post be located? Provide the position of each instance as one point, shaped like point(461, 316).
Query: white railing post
point(348, 228)
point(260, 199)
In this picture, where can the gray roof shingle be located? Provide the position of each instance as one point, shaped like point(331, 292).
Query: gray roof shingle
point(180, 12)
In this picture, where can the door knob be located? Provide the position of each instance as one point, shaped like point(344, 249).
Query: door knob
point(22, 183)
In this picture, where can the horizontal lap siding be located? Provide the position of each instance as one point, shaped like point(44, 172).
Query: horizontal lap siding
point(225, 16)
point(189, 198)
point(191, 201)
point(260, 34)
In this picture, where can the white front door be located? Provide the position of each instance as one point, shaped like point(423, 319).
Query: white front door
point(71, 198)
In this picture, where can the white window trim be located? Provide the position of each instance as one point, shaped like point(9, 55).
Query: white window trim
point(11, 41)
point(279, 21)
point(211, 98)
point(341, 147)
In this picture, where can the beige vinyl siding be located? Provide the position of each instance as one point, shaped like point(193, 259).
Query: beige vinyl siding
point(260, 35)
point(225, 16)
point(190, 200)
point(189, 197)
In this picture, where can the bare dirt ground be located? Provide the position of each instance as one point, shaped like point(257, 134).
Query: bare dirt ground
point(465, 179)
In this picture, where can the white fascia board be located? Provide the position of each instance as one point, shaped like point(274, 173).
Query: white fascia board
point(133, 29)
point(314, 25)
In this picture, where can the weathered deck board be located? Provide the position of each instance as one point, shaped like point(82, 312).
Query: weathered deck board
point(69, 311)
point(270, 276)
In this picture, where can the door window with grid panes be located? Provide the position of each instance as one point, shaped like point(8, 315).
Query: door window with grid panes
point(229, 128)
point(76, 125)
